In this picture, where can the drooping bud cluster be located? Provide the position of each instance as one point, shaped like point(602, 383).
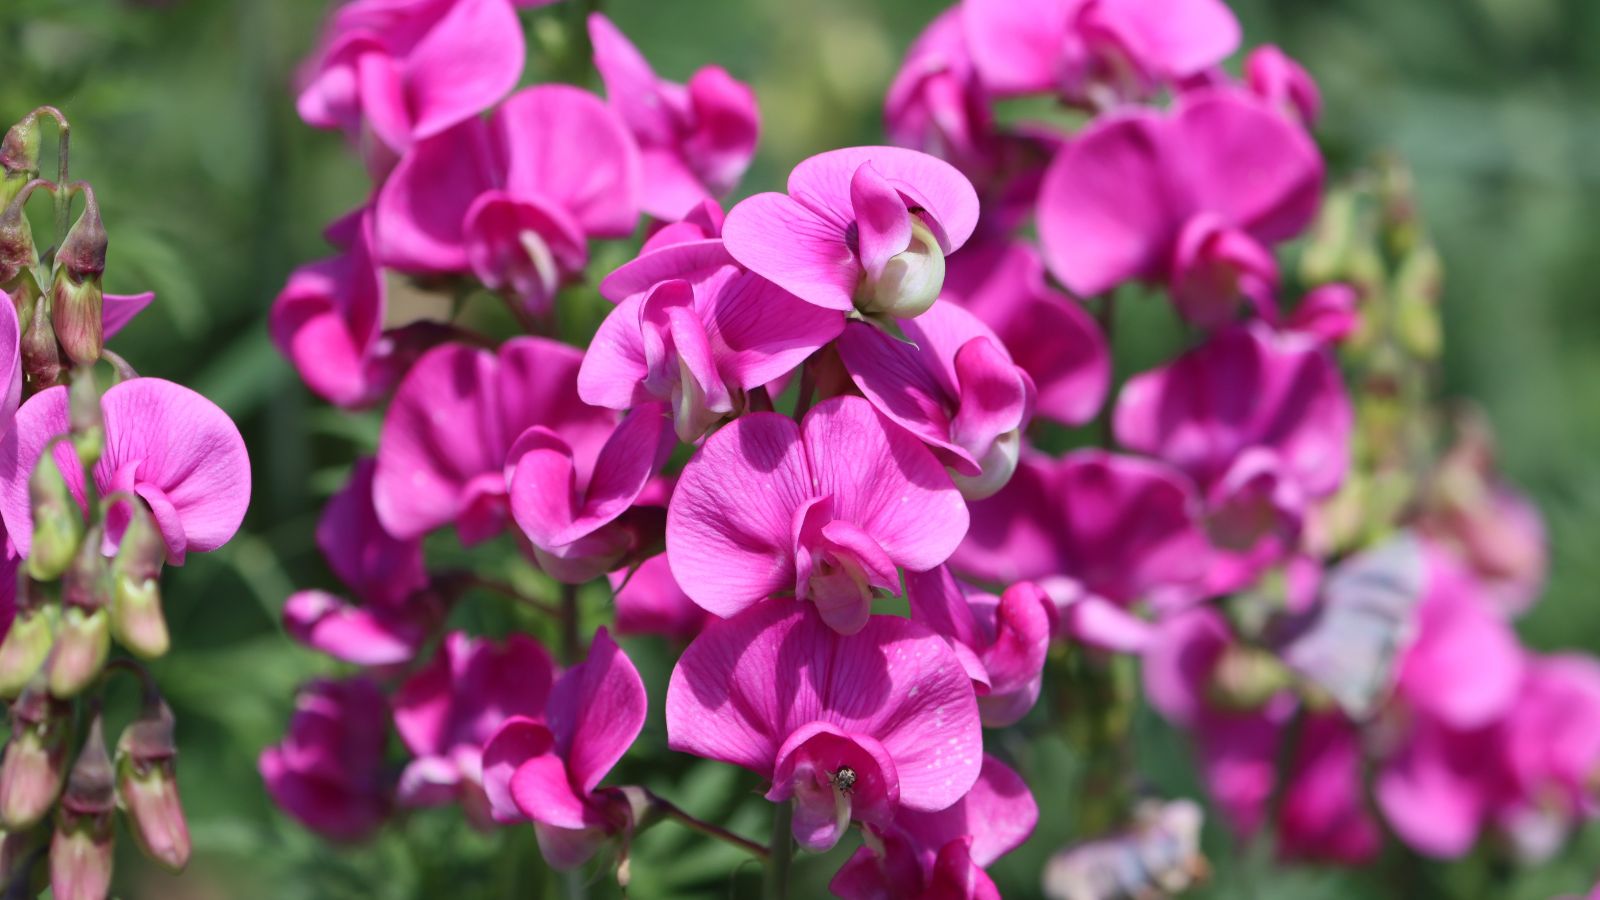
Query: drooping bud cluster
point(98, 489)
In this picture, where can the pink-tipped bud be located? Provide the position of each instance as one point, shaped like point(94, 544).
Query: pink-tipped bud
point(35, 764)
point(41, 355)
point(83, 638)
point(57, 519)
point(76, 299)
point(28, 642)
point(147, 787)
point(81, 849)
point(85, 418)
point(136, 616)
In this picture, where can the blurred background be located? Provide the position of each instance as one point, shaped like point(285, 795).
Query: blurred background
point(212, 190)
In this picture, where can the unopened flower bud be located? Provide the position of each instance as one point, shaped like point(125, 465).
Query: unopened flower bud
point(83, 637)
point(998, 465)
point(19, 157)
point(28, 641)
point(87, 422)
point(147, 786)
point(81, 849)
point(35, 764)
point(910, 281)
point(17, 250)
point(136, 617)
point(57, 519)
point(76, 298)
point(41, 355)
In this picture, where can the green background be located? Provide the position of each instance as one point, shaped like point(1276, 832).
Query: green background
point(212, 190)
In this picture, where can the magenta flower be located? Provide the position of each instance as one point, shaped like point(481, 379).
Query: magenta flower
point(853, 726)
point(1095, 51)
point(828, 508)
point(1461, 675)
point(166, 444)
point(399, 71)
point(943, 854)
point(1193, 198)
point(649, 601)
point(863, 228)
point(1550, 742)
point(550, 771)
point(443, 456)
point(700, 341)
point(383, 572)
point(1048, 334)
point(571, 500)
point(446, 712)
point(1091, 525)
point(328, 321)
point(514, 199)
point(1001, 640)
point(953, 385)
point(936, 103)
point(1193, 676)
point(1276, 78)
point(1261, 422)
point(11, 359)
point(695, 140)
point(328, 772)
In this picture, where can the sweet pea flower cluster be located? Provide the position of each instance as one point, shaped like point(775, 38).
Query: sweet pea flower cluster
point(816, 447)
point(106, 478)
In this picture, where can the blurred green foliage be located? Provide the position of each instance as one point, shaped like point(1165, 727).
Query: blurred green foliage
point(213, 190)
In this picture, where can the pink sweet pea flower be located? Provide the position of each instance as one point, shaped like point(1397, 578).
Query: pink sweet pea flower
point(1002, 640)
point(1276, 78)
point(328, 321)
point(550, 771)
point(515, 198)
point(863, 228)
point(169, 446)
point(828, 509)
point(953, 385)
point(399, 71)
point(443, 456)
point(382, 571)
point(328, 772)
point(1327, 313)
point(700, 344)
point(1193, 198)
point(1086, 50)
point(449, 709)
point(1550, 742)
point(695, 140)
point(571, 502)
point(847, 726)
point(1091, 526)
point(943, 854)
point(1461, 675)
point(1048, 334)
point(649, 601)
point(1240, 718)
point(1261, 421)
point(11, 360)
point(117, 310)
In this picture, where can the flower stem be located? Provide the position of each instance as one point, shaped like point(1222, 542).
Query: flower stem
point(672, 811)
point(571, 644)
point(777, 880)
point(1108, 328)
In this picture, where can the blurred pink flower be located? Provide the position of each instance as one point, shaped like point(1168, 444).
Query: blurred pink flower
point(649, 601)
point(549, 771)
point(328, 772)
point(391, 72)
point(695, 140)
point(828, 508)
point(1095, 51)
point(1276, 78)
point(847, 726)
point(1193, 198)
point(514, 199)
point(1002, 641)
